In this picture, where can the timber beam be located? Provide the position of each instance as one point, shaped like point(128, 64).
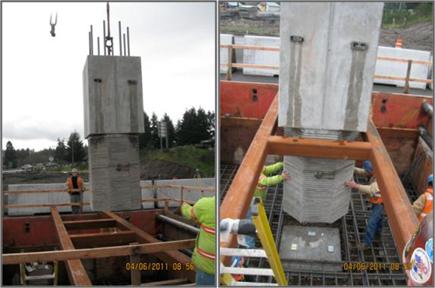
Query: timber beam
point(171, 257)
point(76, 271)
point(94, 253)
point(100, 239)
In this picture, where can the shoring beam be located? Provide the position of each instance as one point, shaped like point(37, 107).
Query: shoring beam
point(94, 253)
point(76, 271)
point(318, 148)
point(166, 256)
point(89, 224)
point(401, 216)
point(88, 240)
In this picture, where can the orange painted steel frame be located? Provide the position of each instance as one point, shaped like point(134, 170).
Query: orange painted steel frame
point(402, 219)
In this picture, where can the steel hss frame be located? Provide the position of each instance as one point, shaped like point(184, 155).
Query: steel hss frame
point(401, 217)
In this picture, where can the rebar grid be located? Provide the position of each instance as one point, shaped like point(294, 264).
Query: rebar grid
point(352, 229)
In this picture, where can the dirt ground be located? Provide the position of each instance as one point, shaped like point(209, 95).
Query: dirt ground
point(419, 36)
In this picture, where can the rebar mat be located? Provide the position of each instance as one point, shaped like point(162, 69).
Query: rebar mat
point(352, 229)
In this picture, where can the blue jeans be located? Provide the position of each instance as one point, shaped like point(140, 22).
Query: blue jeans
point(374, 224)
point(76, 198)
point(204, 279)
point(249, 240)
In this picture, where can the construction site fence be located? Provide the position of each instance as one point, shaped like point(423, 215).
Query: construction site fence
point(230, 64)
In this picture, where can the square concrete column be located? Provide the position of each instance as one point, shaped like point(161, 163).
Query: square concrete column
point(113, 120)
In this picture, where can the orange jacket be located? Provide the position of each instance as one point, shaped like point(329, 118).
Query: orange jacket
point(80, 183)
point(428, 194)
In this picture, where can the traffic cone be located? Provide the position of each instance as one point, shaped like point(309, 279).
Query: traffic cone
point(399, 42)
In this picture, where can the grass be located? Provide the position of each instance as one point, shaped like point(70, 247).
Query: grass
point(196, 158)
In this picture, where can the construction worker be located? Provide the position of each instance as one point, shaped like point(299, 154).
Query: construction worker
point(75, 188)
point(204, 213)
point(423, 205)
point(374, 225)
point(269, 177)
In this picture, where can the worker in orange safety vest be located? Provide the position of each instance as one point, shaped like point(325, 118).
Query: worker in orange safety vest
point(424, 204)
point(374, 225)
point(75, 188)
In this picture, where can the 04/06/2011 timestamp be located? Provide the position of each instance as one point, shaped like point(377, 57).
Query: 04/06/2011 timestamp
point(158, 266)
point(374, 266)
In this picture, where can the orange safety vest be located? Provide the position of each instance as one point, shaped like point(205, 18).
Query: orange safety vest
point(377, 199)
point(428, 204)
point(79, 184)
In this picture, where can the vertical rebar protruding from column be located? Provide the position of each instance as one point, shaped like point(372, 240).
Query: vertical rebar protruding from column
point(91, 39)
point(128, 41)
point(120, 39)
point(109, 40)
point(104, 37)
point(124, 43)
point(98, 45)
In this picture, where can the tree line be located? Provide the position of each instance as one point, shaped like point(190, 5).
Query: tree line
point(195, 126)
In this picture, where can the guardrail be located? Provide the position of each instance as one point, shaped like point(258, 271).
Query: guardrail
point(230, 64)
point(183, 189)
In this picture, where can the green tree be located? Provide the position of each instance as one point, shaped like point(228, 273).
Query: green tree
point(60, 154)
point(145, 138)
point(10, 156)
point(194, 127)
point(155, 140)
point(75, 149)
point(171, 130)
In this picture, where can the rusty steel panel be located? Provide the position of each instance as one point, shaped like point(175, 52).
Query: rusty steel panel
point(245, 99)
point(40, 230)
point(236, 136)
point(400, 144)
point(421, 166)
point(399, 110)
point(401, 216)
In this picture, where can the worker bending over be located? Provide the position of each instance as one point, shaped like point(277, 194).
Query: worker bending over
point(75, 187)
point(423, 205)
point(204, 213)
point(374, 225)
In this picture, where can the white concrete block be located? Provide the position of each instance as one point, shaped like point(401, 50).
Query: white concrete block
point(260, 57)
point(399, 69)
point(328, 56)
point(225, 39)
point(41, 198)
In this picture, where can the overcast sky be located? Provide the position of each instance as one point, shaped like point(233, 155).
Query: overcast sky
point(42, 75)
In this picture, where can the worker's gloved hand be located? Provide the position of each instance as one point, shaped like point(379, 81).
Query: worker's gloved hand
point(285, 176)
point(184, 206)
point(351, 184)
